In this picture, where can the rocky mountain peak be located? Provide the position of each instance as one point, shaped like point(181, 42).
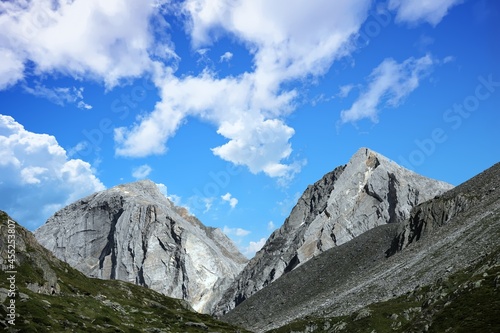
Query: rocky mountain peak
point(132, 232)
point(369, 191)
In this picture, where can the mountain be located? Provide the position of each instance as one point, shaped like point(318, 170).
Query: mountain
point(51, 296)
point(133, 233)
point(369, 191)
point(436, 271)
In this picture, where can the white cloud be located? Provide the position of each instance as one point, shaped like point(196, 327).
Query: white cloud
point(80, 146)
point(226, 57)
point(415, 11)
point(83, 105)
point(230, 103)
point(11, 68)
point(254, 247)
point(388, 85)
point(448, 59)
point(208, 203)
point(36, 176)
point(163, 188)
point(271, 226)
point(60, 95)
point(288, 41)
point(142, 171)
point(345, 90)
point(107, 41)
point(229, 198)
point(175, 199)
point(239, 232)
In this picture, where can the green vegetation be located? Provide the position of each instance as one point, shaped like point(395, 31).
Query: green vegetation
point(84, 304)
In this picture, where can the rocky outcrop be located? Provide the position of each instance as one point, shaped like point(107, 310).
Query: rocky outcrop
point(40, 293)
point(134, 233)
point(27, 253)
point(454, 233)
point(438, 211)
point(367, 192)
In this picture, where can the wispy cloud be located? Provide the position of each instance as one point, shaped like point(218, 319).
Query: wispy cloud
point(388, 85)
point(60, 95)
point(239, 232)
point(415, 11)
point(344, 90)
point(271, 226)
point(141, 172)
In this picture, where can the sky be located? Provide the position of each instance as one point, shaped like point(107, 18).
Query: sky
point(233, 107)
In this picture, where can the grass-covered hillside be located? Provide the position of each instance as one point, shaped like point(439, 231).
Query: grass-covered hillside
point(53, 297)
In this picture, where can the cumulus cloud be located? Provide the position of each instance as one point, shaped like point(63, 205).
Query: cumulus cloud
point(60, 95)
point(141, 172)
point(36, 176)
point(289, 41)
point(388, 85)
point(230, 199)
point(415, 11)
point(259, 143)
point(107, 41)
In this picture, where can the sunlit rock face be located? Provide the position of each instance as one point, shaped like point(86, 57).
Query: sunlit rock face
point(370, 190)
point(133, 233)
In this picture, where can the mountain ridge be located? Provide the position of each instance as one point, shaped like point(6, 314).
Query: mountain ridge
point(132, 232)
point(368, 191)
point(442, 236)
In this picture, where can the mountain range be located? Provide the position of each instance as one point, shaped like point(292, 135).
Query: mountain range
point(371, 246)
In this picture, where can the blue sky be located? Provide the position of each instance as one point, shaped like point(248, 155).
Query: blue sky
point(234, 106)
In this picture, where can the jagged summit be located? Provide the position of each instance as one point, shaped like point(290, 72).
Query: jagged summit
point(369, 191)
point(132, 232)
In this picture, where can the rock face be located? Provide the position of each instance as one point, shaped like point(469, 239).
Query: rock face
point(450, 233)
point(367, 192)
point(134, 233)
point(51, 296)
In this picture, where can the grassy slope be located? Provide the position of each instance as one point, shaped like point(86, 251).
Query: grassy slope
point(90, 305)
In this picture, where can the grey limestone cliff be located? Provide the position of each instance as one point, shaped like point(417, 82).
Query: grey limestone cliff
point(369, 191)
point(134, 233)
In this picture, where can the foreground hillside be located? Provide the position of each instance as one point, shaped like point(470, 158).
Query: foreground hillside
point(467, 301)
point(53, 297)
point(440, 266)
